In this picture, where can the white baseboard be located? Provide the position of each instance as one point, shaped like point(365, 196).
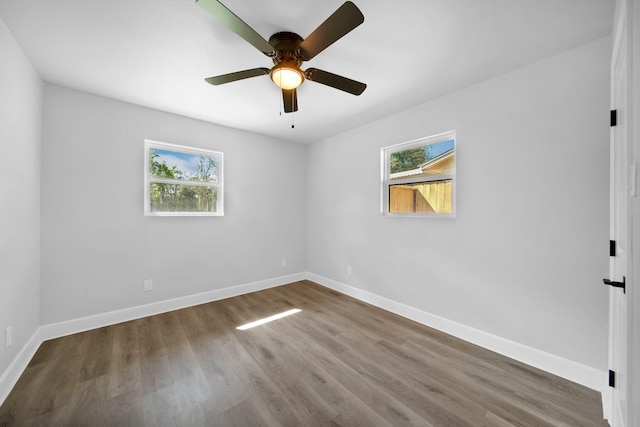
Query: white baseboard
point(10, 376)
point(565, 368)
point(68, 327)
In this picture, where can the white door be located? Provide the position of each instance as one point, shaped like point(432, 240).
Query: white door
point(619, 225)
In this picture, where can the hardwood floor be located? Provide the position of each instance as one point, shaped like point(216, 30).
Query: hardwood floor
point(337, 362)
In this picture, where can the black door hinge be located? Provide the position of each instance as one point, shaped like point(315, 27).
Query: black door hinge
point(612, 248)
point(614, 118)
point(612, 378)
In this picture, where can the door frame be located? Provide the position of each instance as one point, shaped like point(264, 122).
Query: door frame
point(631, 9)
point(616, 396)
point(633, 293)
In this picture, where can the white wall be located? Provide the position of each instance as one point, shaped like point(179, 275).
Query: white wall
point(20, 127)
point(525, 257)
point(97, 246)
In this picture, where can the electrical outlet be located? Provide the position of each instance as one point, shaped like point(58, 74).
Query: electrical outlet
point(148, 285)
point(349, 270)
point(8, 336)
point(284, 262)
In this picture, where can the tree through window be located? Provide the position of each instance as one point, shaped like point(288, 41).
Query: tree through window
point(182, 180)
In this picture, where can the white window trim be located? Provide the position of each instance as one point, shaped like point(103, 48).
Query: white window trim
point(148, 179)
point(385, 182)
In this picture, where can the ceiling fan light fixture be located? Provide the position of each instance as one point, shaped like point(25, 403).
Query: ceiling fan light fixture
point(287, 76)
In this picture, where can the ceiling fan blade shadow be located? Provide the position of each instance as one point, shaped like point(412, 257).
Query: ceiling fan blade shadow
point(238, 75)
point(290, 98)
point(335, 81)
point(342, 21)
point(237, 25)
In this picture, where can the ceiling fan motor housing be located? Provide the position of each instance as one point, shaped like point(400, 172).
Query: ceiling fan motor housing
point(286, 46)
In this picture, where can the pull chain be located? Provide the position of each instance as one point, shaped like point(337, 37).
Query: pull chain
point(293, 107)
point(280, 102)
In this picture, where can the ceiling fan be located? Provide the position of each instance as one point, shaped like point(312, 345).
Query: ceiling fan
point(288, 51)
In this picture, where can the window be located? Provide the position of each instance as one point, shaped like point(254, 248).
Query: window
point(418, 177)
point(182, 181)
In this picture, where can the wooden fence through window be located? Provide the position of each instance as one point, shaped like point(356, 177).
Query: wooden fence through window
point(435, 196)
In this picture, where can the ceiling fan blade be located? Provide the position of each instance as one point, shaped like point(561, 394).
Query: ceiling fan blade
point(238, 75)
point(343, 20)
point(290, 98)
point(335, 81)
point(237, 25)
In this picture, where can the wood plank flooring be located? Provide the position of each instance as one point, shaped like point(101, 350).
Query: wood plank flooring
point(337, 362)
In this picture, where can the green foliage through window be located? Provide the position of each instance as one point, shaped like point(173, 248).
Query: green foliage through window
point(182, 181)
point(401, 161)
point(182, 198)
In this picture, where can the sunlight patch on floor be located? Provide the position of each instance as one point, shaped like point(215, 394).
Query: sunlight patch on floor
point(268, 319)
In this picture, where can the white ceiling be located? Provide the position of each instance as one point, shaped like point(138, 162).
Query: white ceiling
point(157, 53)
